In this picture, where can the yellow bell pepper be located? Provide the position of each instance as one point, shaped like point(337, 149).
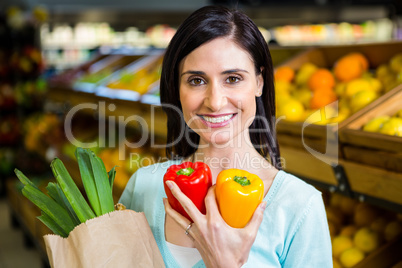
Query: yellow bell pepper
point(238, 194)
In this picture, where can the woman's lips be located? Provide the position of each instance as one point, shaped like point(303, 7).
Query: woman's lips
point(215, 121)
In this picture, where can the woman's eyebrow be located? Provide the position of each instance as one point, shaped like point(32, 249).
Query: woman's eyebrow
point(224, 72)
point(193, 72)
point(234, 71)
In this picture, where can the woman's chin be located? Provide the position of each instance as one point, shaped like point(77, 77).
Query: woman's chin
point(219, 140)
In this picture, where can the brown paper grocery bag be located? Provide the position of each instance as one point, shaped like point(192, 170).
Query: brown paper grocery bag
point(117, 239)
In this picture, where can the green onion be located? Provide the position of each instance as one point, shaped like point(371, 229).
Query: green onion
point(102, 184)
point(66, 207)
point(56, 212)
point(88, 180)
point(52, 225)
point(70, 189)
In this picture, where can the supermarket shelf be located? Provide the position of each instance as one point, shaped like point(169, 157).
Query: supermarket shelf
point(374, 182)
point(372, 148)
point(374, 185)
point(306, 165)
point(154, 118)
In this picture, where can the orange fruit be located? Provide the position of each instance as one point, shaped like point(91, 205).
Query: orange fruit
point(284, 73)
point(322, 98)
point(361, 58)
point(322, 78)
point(348, 68)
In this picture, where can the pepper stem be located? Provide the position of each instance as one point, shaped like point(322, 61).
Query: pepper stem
point(185, 171)
point(243, 181)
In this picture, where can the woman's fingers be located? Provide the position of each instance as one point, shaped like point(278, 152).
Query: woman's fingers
point(255, 222)
point(211, 203)
point(181, 220)
point(186, 202)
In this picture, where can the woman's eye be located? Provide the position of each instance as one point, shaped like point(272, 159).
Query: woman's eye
point(232, 79)
point(196, 81)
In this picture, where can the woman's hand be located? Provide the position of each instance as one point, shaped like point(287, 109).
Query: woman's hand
point(219, 244)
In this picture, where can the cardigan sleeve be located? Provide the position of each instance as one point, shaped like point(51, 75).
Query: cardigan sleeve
point(127, 198)
point(311, 243)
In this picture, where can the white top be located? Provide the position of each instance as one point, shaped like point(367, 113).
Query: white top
point(185, 257)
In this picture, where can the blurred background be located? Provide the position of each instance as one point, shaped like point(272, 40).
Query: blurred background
point(57, 54)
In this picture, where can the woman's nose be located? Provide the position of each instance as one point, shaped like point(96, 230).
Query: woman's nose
point(215, 98)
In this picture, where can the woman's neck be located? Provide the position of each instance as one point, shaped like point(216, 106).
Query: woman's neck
point(219, 158)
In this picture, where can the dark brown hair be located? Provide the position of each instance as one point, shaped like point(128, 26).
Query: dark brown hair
point(201, 26)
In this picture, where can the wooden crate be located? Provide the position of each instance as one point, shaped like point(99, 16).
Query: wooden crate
point(326, 57)
point(280, 54)
point(374, 149)
point(302, 163)
point(363, 179)
point(374, 182)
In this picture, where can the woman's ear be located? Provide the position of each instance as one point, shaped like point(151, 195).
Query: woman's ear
point(260, 83)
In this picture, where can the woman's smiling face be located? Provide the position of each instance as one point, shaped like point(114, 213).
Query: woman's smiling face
point(218, 85)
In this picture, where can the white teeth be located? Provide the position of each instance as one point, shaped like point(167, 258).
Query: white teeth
point(217, 119)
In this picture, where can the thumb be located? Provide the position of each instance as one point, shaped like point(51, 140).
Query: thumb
point(255, 222)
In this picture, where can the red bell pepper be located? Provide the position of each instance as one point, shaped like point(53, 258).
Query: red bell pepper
point(193, 179)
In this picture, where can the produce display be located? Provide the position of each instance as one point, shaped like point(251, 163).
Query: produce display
point(238, 194)
point(103, 67)
point(384, 124)
point(193, 179)
point(333, 33)
point(350, 81)
point(94, 78)
point(139, 81)
point(41, 130)
point(65, 207)
point(358, 229)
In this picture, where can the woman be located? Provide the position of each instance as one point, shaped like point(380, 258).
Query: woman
point(217, 91)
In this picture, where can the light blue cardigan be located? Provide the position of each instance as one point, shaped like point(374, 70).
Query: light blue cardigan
point(294, 232)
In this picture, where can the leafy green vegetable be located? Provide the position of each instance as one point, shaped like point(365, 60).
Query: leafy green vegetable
point(66, 207)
